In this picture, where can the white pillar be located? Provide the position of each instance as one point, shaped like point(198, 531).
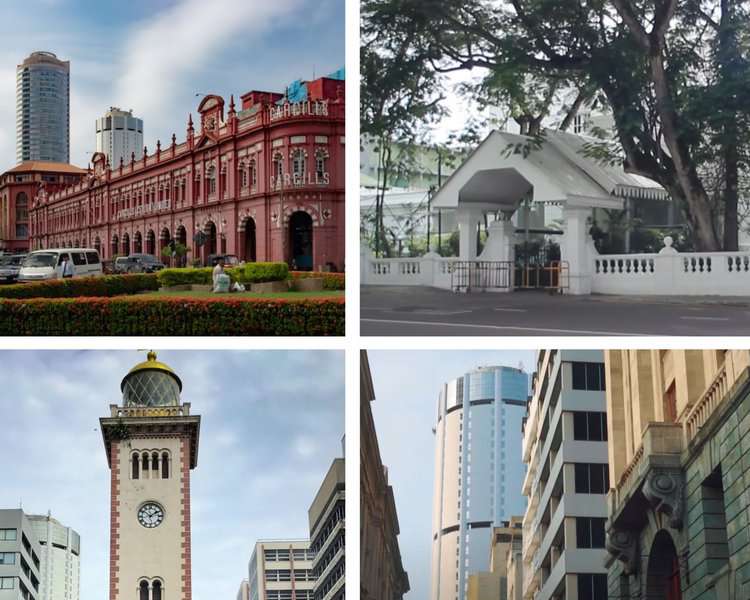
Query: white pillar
point(575, 249)
point(467, 226)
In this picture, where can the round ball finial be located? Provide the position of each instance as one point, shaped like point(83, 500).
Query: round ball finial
point(668, 241)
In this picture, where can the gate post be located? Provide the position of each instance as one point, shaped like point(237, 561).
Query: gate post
point(575, 248)
point(467, 225)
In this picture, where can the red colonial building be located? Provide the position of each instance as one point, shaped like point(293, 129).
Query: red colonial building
point(265, 183)
point(18, 186)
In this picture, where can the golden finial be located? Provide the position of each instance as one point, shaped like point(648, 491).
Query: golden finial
point(151, 355)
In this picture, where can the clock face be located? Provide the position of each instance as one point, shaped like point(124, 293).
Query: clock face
point(150, 515)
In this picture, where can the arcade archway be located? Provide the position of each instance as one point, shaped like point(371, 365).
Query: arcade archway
point(248, 240)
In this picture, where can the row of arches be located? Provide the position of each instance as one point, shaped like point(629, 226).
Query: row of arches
point(150, 464)
point(150, 589)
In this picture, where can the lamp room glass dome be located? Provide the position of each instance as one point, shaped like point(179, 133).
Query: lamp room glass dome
point(151, 383)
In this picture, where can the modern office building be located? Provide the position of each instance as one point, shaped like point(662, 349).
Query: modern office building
point(244, 592)
point(327, 519)
point(281, 570)
point(679, 460)
point(20, 565)
point(119, 136)
point(60, 558)
point(382, 575)
point(478, 473)
point(43, 108)
point(496, 583)
point(565, 448)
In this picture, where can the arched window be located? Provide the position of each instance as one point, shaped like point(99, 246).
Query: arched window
point(253, 174)
point(156, 590)
point(243, 176)
point(165, 465)
point(143, 590)
point(321, 156)
point(298, 166)
point(155, 464)
point(135, 466)
point(211, 175)
point(278, 167)
point(145, 464)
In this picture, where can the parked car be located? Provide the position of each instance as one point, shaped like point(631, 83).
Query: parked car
point(149, 263)
point(47, 264)
point(10, 265)
point(230, 260)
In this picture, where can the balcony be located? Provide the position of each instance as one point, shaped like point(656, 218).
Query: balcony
point(150, 411)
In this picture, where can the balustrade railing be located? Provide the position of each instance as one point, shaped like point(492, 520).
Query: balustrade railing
point(704, 408)
point(626, 479)
point(182, 410)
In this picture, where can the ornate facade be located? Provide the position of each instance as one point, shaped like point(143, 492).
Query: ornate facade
point(679, 462)
point(265, 183)
point(382, 575)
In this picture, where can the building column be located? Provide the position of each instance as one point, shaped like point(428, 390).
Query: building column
point(575, 249)
point(467, 219)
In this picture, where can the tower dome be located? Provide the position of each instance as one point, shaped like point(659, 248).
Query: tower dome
point(151, 383)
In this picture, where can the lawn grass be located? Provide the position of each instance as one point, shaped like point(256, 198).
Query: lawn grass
point(239, 295)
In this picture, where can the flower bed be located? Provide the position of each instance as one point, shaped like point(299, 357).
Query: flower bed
point(331, 281)
point(148, 316)
point(108, 285)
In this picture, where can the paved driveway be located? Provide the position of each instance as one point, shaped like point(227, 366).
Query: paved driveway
point(415, 311)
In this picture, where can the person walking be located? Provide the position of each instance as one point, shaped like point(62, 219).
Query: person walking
point(218, 270)
point(66, 264)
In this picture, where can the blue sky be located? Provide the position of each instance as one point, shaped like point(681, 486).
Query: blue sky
point(154, 55)
point(407, 384)
point(272, 423)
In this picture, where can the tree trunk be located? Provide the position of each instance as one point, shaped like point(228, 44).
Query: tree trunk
point(731, 196)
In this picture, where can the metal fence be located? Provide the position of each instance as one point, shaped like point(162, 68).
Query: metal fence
point(467, 275)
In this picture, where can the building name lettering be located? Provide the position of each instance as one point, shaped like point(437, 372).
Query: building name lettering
point(145, 209)
point(317, 108)
point(296, 180)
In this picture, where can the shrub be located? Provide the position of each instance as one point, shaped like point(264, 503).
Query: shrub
point(107, 285)
point(256, 272)
point(331, 281)
point(135, 315)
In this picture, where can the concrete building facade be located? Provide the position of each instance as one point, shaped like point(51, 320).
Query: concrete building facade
point(20, 565)
point(382, 574)
point(151, 443)
point(499, 583)
point(119, 136)
point(477, 478)
point(565, 448)
point(43, 108)
point(60, 559)
point(281, 570)
point(679, 460)
point(327, 518)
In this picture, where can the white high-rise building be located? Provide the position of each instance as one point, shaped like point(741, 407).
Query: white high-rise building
point(60, 558)
point(119, 135)
point(565, 448)
point(478, 472)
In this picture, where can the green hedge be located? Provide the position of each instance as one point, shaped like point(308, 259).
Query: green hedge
point(135, 315)
point(331, 281)
point(107, 285)
point(256, 272)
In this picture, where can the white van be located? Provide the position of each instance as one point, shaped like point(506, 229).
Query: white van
point(47, 264)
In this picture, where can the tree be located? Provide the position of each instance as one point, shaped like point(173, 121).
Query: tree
point(661, 65)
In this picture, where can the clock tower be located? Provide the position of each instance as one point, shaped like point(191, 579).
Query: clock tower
point(151, 441)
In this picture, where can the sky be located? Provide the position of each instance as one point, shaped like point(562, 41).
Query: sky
point(271, 424)
point(154, 56)
point(407, 384)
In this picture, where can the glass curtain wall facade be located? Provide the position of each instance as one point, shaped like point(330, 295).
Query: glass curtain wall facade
point(478, 472)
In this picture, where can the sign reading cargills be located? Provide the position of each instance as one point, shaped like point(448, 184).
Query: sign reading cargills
point(144, 209)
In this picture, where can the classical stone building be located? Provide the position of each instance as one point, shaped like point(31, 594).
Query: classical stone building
point(263, 180)
point(151, 442)
point(679, 460)
point(382, 575)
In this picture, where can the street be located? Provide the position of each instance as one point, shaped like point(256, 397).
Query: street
point(422, 311)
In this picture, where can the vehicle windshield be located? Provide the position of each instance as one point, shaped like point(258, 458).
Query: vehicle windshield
point(10, 260)
point(40, 260)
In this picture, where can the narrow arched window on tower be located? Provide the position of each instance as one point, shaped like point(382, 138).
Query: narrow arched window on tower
point(155, 464)
point(135, 466)
point(145, 465)
point(165, 465)
point(156, 591)
point(143, 590)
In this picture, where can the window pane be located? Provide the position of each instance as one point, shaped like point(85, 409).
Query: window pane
point(602, 379)
point(597, 533)
point(597, 479)
point(580, 430)
point(585, 587)
point(605, 437)
point(579, 376)
point(595, 426)
point(583, 533)
point(600, 587)
point(582, 478)
point(592, 376)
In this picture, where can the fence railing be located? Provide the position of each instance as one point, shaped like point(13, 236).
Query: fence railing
point(705, 407)
point(467, 275)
